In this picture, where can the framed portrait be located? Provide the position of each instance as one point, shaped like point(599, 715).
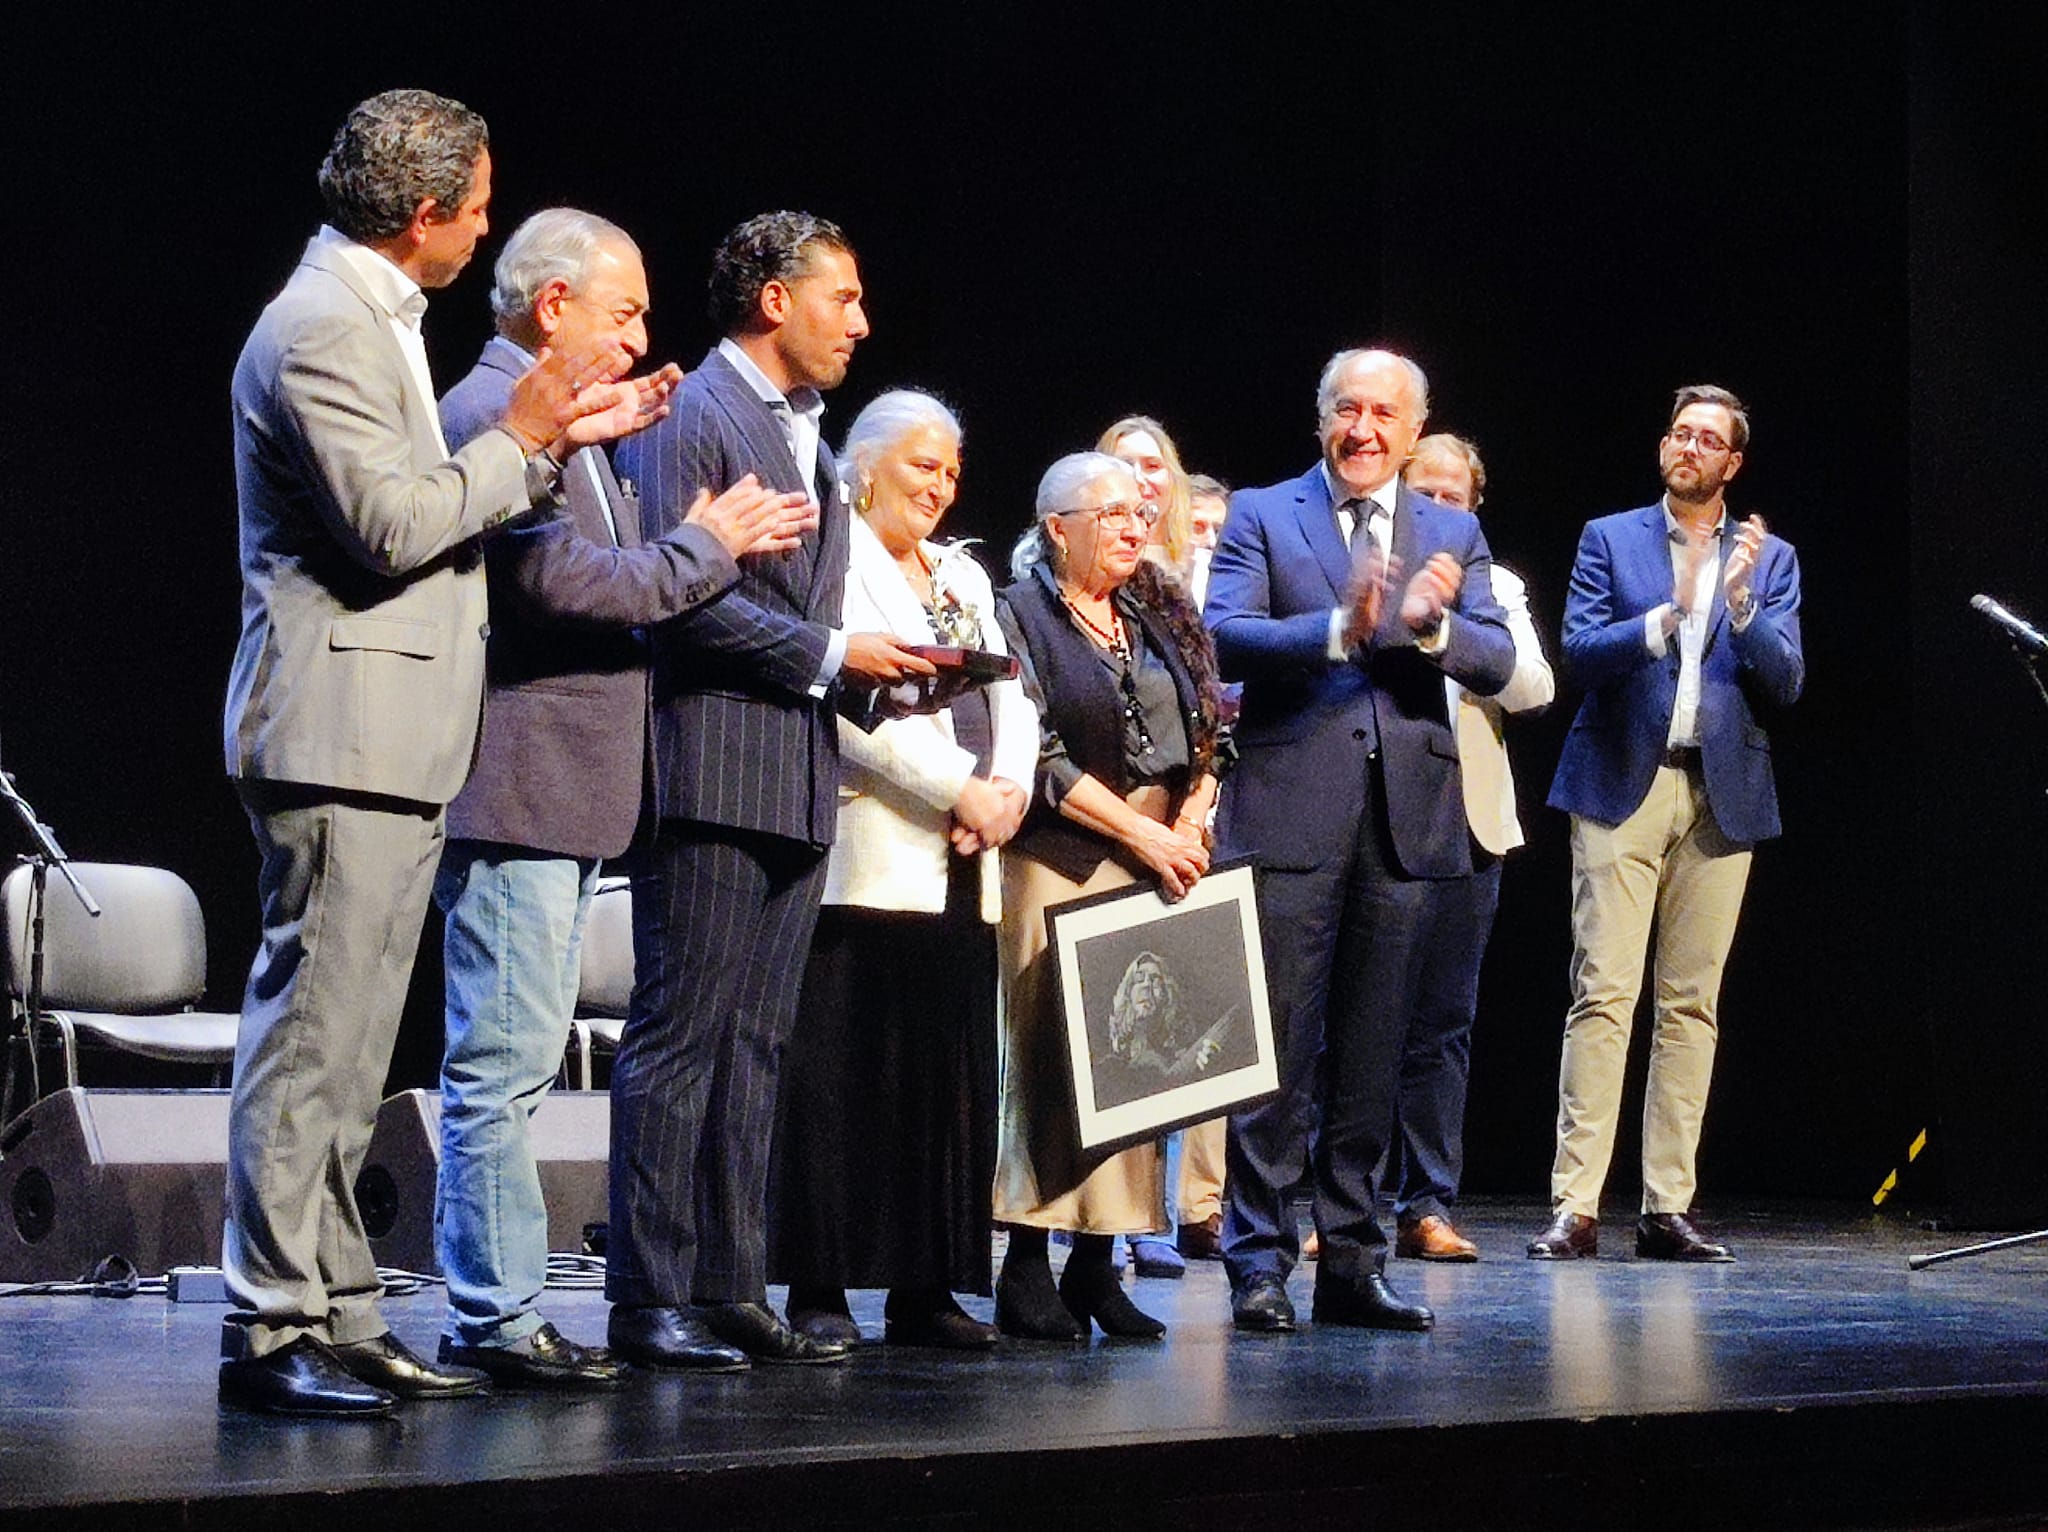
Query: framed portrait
point(1165, 1005)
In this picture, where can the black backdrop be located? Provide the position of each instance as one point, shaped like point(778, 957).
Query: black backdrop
point(1067, 215)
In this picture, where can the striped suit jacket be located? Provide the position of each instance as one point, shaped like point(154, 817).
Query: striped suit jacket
point(742, 736)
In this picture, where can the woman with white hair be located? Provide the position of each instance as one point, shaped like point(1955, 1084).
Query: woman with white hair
point(885, 1138)
point(1127, 731)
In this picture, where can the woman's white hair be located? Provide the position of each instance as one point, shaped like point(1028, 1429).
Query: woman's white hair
point(1059, 491)
point(889, 418)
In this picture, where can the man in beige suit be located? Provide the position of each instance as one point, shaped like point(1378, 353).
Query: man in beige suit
point(1428, 1147)
point(352, 715)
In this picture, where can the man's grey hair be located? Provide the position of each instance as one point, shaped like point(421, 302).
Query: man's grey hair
point(392, 153)
point(1204, 486)
point(1326, 385)
point(889, 418)
point(1713, 393)
point(555, 244)
point(1059, 490)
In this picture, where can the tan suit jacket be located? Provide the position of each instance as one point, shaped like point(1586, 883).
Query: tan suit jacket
point(1482, 756)
point(361, 659)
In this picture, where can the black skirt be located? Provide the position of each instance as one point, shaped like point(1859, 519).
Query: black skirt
point(885, 1131)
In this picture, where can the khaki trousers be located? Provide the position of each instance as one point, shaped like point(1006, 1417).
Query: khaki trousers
point(1666, 865)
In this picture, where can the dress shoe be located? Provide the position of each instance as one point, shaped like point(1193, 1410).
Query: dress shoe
point(674, 1340)
point(1431, 1238)
point(1203, 1241)
point(1028, 1305)
point(1261, 1303)
point(1672, 1237)
point(822, 1314)
point(754, 1328)
point(1368, 1301)
point(384, 1362)
point(303, 1378)
point(545, 1359)
point(934, 1320)
point(1570, 1237)
point(1156, 1257)
point(1092, 1290)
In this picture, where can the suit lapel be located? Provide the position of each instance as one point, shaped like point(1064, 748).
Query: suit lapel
point(423, 416)
point(1717, 615)
point(1318, 517)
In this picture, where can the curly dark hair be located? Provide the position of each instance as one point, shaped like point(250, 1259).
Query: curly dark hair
point(393, 152)
point(769, 247)
point(1158, 590)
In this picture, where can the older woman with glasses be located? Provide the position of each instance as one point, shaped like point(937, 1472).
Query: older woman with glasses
point(1127, 730)
point(885, 1134)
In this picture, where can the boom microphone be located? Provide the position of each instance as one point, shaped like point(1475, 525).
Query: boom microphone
point(2018, 629)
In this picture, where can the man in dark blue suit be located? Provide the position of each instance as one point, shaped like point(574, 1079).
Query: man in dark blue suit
point(1348, 794)
point(746, 786)
point(556, 787)
point(1681, 624)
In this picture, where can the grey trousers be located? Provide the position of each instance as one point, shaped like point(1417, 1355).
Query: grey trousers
point(344, 884)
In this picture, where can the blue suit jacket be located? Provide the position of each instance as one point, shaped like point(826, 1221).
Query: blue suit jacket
point(1295, 797)
point(563, 751)
point(1622, 571)
point(739, 740)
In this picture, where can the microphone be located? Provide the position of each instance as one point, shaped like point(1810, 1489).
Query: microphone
point(2018, 629)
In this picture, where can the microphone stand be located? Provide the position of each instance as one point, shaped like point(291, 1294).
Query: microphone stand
point(48, 854)
point(2027, 662)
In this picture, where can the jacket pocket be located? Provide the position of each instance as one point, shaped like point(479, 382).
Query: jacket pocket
point(391, 635)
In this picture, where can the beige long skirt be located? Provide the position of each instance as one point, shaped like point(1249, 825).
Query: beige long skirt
point(1043, 1178)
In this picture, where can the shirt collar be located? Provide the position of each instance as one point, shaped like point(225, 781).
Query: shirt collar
point(1381, 499)
point(391, 289)
point(804, 401)
point(1676, 530)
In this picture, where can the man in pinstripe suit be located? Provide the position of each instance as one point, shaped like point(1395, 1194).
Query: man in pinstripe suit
point(745, 791)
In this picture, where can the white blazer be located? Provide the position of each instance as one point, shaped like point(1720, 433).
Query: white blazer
point(1483, 758)
point(899, 781)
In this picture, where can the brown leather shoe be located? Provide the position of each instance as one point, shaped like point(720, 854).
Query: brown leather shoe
point(1431, 1238)
point(1674, 1237)
point(1570, 1237)
point(1203, 1241)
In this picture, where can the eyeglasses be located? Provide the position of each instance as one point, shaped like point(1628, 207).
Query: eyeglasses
point(1116, 515)
point(1686, 436)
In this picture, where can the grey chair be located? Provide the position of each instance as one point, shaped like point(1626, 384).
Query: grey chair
point(128, 979)
point(604, 987)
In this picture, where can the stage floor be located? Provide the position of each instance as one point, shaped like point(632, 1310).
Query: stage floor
point(1814, 1382)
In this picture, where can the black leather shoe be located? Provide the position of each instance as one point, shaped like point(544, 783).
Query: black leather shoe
point(385, 1362)
point(545, 1359)
point(754, 1328)
point(1570, 1237)
point(1203, 1241)
point(1157, 1257)
point(673, 1340)
point(1262, 1304)
point(303, 1378)
point(1368, 1301)
point(935, 1320)
point(1672, 1237)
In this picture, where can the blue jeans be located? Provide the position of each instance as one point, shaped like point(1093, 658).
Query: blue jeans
point(514, 938)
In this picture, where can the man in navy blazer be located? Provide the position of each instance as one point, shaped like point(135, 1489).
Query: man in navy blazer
point(746, 786)
point(1347, 792)
point(1681, 624)
point(556, 787)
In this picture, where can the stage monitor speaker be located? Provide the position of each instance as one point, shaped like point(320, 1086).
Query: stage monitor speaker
point(140, 1174)
point(571, 1138)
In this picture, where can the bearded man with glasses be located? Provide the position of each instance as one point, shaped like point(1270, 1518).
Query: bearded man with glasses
point(1681, 624)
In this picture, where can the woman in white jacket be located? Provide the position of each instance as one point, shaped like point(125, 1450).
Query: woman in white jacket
point(885, 1134)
